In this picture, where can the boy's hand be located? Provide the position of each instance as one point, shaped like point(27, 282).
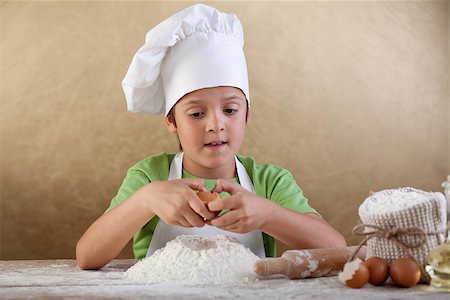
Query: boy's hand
point(247, 211)
point(176, 202)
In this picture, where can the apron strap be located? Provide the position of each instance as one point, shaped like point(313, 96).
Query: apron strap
point(244, 179)
point(176, 167)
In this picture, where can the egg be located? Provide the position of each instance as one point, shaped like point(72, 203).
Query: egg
point(355, 274)
point(378, 270)
point(207, 197)
point(405, 272)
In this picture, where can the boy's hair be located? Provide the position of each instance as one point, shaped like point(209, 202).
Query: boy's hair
point(171, 116)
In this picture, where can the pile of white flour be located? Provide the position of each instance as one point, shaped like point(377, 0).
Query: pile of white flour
point(194, 259)
point(393, 200)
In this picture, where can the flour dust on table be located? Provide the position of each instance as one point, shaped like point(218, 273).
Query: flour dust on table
point(194, 259)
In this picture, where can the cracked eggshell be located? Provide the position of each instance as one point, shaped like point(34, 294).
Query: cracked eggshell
point(355, 274)
point(207, 197)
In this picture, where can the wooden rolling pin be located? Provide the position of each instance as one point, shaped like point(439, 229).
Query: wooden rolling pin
point(296, 264)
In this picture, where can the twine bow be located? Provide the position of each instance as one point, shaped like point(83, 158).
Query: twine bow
point(392, 234)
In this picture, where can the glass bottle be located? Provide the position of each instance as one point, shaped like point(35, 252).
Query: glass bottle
point(438, 266)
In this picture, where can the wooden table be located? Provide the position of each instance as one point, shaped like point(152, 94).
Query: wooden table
point(22, 279)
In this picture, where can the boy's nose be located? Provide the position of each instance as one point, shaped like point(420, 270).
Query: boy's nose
point(215, 122)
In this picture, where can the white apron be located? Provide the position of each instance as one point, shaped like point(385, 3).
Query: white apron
point(166, 232)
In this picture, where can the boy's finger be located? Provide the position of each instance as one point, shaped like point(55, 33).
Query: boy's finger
point(226, 220)
point(194, 183)
point(194, 219)
point(200, 208)
point(223, 185)
point(233, 228)
point(223, 203)
point(183, 222)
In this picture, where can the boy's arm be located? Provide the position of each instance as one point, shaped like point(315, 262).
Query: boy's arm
point(110, 233)
point(249, 212)
point(175, 202)
point(299, 230)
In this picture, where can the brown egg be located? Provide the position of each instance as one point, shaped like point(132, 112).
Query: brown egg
point(378, 270)
point(355, 274)
point(207, 197)
point(405, 272)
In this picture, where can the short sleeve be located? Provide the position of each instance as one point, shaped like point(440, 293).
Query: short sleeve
point(134, 180)
point(285, 191)
point(278, 185)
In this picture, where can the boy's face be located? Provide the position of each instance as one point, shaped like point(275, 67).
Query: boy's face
point(210, 124)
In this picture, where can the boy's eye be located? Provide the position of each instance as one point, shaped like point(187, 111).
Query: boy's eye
point(230, 111)
point(196, 115)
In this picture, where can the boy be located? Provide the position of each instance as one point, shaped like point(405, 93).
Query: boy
point(192, 68)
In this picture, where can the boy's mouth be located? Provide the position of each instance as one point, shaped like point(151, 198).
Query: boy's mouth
point(215, 144)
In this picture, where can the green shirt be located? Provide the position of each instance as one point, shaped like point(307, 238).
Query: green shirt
point(269, 181)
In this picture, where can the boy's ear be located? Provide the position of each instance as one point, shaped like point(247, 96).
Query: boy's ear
point(170, 124)
point(249, 116)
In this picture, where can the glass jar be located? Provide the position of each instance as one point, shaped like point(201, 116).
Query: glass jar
point(438, 267)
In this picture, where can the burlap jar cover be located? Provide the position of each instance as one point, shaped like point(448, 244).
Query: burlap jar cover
point(409, 232)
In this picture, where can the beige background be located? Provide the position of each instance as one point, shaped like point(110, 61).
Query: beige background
point(351, 97)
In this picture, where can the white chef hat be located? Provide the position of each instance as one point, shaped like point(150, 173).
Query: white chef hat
point(198, 47)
